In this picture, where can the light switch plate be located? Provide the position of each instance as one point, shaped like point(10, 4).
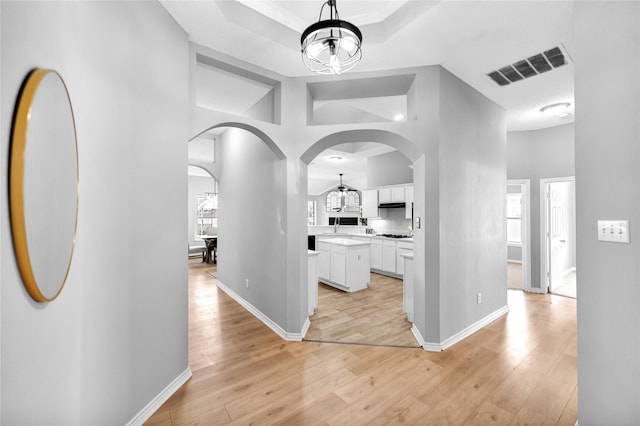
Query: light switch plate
point(614, 231)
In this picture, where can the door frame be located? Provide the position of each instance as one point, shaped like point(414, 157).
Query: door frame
point(544, 223)
point(526, 231)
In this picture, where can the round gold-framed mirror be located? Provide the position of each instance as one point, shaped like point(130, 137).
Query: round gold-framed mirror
point(43, 184)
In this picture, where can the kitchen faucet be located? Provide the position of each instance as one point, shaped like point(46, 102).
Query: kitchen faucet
point(336, 224)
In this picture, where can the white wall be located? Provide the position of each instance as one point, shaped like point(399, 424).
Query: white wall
point(251, 223)
point(472, 186)
point(535, 155)
point(117, 334)
point(391, 168)
point(607, 94)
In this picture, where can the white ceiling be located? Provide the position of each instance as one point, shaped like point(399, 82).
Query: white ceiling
point(468, 38)
point(324, 171)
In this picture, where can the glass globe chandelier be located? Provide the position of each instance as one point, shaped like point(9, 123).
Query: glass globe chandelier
point(331, 46)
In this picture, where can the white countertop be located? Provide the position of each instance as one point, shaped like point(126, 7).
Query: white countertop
point(354, 234)
point(313, 253)
point(346, 242)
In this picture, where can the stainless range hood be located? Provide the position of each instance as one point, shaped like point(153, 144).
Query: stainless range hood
point(391, 205)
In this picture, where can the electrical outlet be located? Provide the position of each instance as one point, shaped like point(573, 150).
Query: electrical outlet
point(246, 283)
point(479, 298)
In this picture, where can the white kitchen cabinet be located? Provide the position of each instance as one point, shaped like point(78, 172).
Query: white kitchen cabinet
point(376, 254)
point(324, 259)
point(384, 195)
point(370, 203)
point(402, 248)
point(408, 202)
point(338, 267)
point(389, 256)
point(394, 194)
point(397, 194)
point(348, 265)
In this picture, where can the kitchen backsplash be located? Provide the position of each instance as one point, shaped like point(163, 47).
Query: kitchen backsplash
point(395, 222)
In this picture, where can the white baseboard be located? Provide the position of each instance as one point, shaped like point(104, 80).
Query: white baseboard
point(425, 345)
point(294, 337)
point(418, 335)
point(144, 414)
point(438, 347)
point(305, 328)
point(514, 261)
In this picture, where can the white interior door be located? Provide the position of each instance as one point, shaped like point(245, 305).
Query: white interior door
point(557, 232)
point(559, 235)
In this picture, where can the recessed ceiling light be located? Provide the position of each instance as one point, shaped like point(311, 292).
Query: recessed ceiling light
point(398, 117)
point(334, 158)
point(556, 110)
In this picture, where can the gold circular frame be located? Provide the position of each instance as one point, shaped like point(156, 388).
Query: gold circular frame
point(17, 180)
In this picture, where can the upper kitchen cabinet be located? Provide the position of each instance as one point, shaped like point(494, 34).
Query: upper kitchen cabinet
point(370, 204)
point(397, 194)
point(384, 195)
point(391, 195)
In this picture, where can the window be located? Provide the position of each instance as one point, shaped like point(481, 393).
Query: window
point(348, 201)
point(311, 213)
point(514, 218)
point(206, 214)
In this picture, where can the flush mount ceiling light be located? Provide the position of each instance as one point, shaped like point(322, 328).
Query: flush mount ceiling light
point(556, 110)
point(331, 46)
point(334, 158)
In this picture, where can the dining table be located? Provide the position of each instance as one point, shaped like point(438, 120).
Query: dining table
point(211, 241)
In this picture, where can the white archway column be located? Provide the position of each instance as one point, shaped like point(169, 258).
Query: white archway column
point(296, 242)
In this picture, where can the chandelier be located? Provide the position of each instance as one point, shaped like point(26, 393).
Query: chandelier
point(331, 46)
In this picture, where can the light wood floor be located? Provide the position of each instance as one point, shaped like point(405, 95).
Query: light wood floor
point(520, 369)
point(372, 316)
point(514, 276)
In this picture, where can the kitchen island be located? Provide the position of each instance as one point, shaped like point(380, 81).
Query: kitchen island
point(344, 263)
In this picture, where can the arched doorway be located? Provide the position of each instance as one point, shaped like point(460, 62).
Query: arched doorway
point(252, 216)
point(374, 315)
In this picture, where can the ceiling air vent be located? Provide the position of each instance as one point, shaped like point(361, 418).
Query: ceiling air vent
point(525, 68)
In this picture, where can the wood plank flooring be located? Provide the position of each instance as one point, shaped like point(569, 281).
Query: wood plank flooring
point(514, 276)
point(372, 316)
point(520, 369)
